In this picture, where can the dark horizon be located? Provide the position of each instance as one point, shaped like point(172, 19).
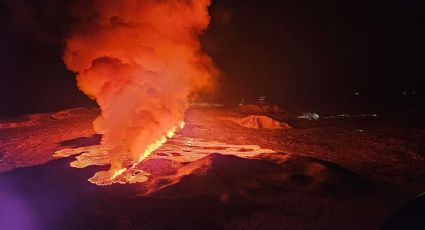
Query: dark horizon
point(299, 54)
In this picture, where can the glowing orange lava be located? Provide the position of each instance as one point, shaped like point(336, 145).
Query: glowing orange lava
point(117, 173)
point(158, 143)
point(151, 148)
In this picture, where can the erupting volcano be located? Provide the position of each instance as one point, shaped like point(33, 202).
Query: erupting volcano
point(142, 62)
point(211, 114)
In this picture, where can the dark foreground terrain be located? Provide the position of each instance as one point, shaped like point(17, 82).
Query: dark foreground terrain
point(341, 171)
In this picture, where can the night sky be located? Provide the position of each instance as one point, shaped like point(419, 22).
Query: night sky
point(309, 53)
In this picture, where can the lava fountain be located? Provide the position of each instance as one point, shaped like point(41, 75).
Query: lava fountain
point(141, 60)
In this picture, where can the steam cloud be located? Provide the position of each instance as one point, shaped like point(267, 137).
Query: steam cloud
point(141, 61)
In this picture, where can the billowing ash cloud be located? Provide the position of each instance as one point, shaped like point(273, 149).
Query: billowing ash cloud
point(141, 60)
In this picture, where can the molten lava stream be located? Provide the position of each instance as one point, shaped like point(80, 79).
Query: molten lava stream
point(118, 172)
point(150, 149)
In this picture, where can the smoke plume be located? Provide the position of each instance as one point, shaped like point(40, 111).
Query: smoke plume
point(141, 60)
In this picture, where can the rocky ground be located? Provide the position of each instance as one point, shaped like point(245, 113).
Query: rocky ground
point(246, 167)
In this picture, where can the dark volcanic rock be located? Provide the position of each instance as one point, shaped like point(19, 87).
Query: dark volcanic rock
point(224, 175)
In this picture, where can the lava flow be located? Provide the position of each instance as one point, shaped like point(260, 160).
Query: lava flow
point(142, 62)
point(173, 147)
point(150, 149)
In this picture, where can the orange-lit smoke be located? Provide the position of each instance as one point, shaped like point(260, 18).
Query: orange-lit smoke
point(141, 61)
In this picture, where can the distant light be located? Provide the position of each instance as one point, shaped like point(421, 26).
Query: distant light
point(309, 116)
point(356, 93)
point(404, 93)
point(413, 92)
